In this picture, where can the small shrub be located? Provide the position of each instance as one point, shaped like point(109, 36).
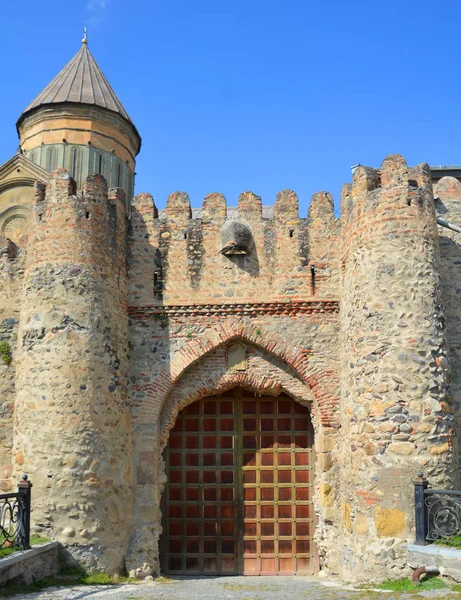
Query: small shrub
point(5, 353)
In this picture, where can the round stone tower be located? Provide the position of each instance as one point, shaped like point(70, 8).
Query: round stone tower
point(78, 123)
point(72, 431)
point(396, 401)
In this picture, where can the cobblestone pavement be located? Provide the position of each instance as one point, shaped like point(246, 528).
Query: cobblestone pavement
point(228, 588)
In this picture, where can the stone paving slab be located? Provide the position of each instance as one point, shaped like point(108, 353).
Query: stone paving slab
point(228, 588)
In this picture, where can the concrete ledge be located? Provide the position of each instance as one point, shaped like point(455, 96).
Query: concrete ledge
point(31, 565)
point(448, 560)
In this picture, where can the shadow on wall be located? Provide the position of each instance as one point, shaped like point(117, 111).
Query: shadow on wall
point(150, 351)
point(448, 205)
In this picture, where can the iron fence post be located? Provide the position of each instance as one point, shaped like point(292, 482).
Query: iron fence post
point(421, 485)
point(25, 487)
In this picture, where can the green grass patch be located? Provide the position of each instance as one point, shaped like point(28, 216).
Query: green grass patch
point(406, 585)
point(454, 542)
point(104, 579)
point(69, 576)
point(34, 541)
point(7, 551)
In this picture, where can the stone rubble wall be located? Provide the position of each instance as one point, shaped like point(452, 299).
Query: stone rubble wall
point(72, 431)
point(11, 272)
point(448, 207)
point(396, 401)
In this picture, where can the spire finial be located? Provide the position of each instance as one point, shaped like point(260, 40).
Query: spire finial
point(85, 39)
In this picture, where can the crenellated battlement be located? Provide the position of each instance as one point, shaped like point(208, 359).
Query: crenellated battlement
point(284, 254)
point(383, 203)
point(195, 250)
point(394, 185)
point(87, 209)
point(286, 207)
point(86, 227)
point(249, 207)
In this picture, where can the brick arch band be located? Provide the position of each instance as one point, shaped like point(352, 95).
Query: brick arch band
point(322, 384)
point(259, 385)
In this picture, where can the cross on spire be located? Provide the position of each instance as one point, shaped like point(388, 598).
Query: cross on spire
point(85, 39)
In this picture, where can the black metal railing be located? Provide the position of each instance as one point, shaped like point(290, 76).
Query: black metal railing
point(15, 517)
point(437, 513)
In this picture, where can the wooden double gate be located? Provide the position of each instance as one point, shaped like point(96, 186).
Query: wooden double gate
point(238, 492)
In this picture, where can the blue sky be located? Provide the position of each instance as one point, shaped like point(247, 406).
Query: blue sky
point(254, 95)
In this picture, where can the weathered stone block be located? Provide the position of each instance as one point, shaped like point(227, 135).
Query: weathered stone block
point(326, 494)
point(389, 522)
point(401, 448)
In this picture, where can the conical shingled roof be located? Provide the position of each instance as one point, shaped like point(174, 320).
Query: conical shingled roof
point(82, 82)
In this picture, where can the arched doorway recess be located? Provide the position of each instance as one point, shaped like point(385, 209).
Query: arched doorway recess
point(238, 497)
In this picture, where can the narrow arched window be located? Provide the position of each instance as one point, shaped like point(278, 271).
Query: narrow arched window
point(100, 164)
point(50, 159)
point(74, 162)
point(32, 157)
point(119, 175)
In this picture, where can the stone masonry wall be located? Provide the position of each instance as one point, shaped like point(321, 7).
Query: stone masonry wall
point(396, 400)
point(177, 359)
point(11, 271)
point(72, 430)
point(448, 207)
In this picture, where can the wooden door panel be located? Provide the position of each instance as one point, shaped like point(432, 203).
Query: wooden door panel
point(238, 497)
point(200, 496)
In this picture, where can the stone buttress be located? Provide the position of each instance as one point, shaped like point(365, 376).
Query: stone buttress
point(72, 430)
point(396, 401)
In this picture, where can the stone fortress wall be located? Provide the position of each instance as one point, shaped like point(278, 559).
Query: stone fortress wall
point(366, 338)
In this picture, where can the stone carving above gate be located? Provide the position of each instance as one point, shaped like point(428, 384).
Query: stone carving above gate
point(236, 357)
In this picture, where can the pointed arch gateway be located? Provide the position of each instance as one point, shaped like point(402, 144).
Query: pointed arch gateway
point(238, 453)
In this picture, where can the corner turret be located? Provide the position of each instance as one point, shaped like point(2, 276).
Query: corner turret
point(72, 421)
point(396, 402)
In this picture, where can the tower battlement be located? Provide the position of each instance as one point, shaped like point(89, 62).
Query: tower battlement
point(85, 225)
point(393, 200)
